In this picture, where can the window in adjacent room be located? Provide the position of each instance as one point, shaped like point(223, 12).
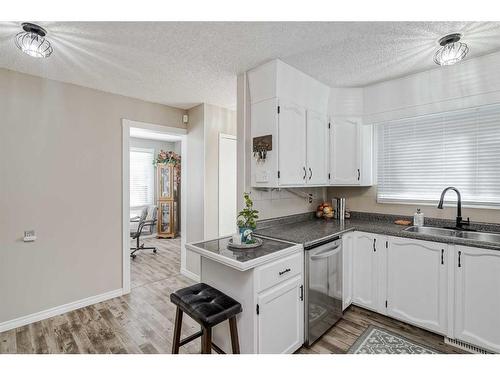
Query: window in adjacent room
point(141, 177)
point(419, 157)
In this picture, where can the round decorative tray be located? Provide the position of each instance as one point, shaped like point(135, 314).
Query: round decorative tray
point(257, 243)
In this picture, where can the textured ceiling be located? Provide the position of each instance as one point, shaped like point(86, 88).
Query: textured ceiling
point(185, 63)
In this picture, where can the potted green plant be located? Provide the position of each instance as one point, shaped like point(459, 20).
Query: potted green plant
point(246, 220)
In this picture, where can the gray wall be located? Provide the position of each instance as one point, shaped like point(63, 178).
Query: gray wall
point(194, 190)
point(61, 174)
point(217, 120)
point(206, 121)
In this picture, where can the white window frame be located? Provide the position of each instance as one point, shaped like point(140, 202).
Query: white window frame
point(152, 152)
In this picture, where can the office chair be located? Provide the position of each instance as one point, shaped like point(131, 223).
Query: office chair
point(146, 220)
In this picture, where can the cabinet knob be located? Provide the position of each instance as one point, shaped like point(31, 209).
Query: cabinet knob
point(305, 173)
point(310, 173)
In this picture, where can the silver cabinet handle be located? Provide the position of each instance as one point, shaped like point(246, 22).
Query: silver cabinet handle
point(305, 173)
point(311, 173)
point(326, 254)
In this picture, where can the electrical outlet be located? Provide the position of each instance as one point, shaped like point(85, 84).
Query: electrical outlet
point(29, 236)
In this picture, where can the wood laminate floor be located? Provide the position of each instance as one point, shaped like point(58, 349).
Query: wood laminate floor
point(142, 322)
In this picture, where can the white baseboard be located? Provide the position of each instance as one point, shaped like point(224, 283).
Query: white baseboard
point(49, 313)
point(190, 275)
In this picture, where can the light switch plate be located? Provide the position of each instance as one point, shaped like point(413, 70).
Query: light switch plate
point(29, 236)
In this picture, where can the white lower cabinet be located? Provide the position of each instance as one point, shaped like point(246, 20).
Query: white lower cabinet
point(272, 300)
point(280, 326)
point(448, 289)
point(367, 268)
point(417, 283)
point(477, 297)
point(347, 251)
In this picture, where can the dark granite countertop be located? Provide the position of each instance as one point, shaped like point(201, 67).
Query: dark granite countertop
point(307, 230)
point(242, 259)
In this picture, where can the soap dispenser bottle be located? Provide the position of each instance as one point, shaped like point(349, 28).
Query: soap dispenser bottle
point(418, 218)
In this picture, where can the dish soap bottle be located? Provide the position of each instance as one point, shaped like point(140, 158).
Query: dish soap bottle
point(418, 218)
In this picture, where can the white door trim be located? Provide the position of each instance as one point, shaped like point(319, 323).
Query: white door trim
point(182, 134)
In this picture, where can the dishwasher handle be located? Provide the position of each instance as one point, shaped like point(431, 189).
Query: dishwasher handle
point(326, 253)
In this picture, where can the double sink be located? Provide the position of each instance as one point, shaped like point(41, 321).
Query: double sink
point(456, 233)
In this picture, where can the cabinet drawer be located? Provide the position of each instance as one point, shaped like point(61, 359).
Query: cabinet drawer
point(277, 271)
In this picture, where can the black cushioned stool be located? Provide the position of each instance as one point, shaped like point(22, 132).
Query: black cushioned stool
point(209, 307)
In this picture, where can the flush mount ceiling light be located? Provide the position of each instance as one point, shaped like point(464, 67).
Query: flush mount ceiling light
point(451, 51)
point(32, 41)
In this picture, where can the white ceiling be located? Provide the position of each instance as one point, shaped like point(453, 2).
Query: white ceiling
point(185, 63)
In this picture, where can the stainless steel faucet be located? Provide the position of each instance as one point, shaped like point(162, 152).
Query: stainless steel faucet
point(459, 222)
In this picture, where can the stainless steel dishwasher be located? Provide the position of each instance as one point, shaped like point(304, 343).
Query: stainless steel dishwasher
point(323, 281)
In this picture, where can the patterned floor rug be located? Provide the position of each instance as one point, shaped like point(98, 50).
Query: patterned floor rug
point(376, 340)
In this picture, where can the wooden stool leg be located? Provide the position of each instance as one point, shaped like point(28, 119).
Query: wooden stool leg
point(206, 341)
point(177, 331)
point(233, 328)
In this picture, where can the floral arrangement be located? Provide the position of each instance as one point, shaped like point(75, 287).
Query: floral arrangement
point(169, 157)
point(246, 217)
point(246, 221)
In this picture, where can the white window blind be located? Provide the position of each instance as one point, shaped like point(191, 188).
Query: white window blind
point(141, 177)
point(419, 157)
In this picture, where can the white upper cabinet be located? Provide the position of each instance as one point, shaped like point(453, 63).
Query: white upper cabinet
point(344, 152)
point(350, 152)
point(477, 297)
point(317, 148)
point(276, 79)
point(291, 144)
point(417, 282)
point(264, 122)
point(293, 109)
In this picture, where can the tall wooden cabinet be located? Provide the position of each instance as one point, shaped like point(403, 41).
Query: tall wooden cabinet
point(168, 201)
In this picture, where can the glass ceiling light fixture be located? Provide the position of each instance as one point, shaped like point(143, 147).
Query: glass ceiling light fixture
point(32, 41)
point(451, 51)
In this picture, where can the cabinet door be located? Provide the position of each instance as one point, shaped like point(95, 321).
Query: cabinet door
point(317, 148)
point(347, 243)
point(477, 297)
point(365, 271)
point(344, 152)
point(165, 181)
point(165, 217)
point(292, 144)
point(281, 318)
point(417, 283)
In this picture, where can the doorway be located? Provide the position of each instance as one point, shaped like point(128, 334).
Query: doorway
point(141, 195)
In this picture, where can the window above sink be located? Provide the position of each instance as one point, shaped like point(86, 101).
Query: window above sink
point(418, 157)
